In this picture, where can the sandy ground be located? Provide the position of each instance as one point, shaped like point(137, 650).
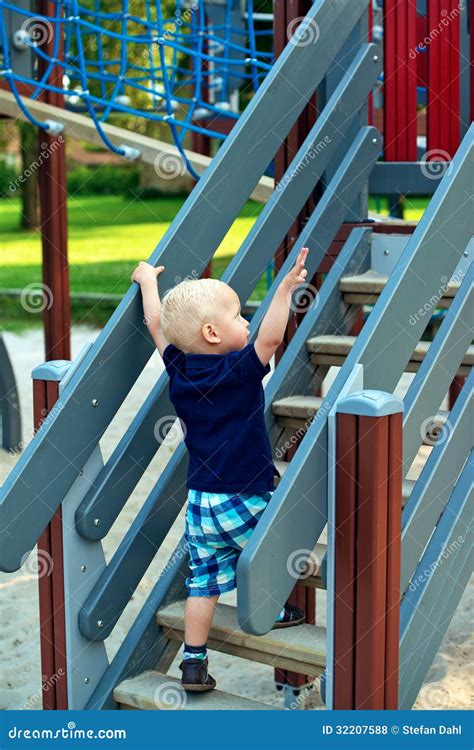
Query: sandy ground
point(448, 683)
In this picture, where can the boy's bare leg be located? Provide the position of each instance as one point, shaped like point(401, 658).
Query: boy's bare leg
point(198, 614)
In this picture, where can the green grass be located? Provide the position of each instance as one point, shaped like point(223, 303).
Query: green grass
point(108, 235)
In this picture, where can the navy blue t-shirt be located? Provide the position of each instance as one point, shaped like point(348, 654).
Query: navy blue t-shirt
point(219, 400)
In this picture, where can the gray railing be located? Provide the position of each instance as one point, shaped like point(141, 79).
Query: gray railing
point(101, 383)
point(299, 502)
point(436, 587)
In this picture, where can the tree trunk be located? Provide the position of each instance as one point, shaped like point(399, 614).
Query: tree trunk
point(29, 187)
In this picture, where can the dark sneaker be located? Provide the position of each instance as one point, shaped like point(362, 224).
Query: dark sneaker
point(293, 616)
point(195, 677)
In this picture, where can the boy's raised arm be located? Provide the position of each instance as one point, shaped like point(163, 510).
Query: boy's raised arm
point(146, 275)
point(273, 325)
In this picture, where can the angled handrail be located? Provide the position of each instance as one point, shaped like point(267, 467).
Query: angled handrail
point(437, 479)
point(438, 368)
point(167, 497)
point(139, 649)
point(299, 502)
point(95, 393)
point(428, 606)
point(138, 446)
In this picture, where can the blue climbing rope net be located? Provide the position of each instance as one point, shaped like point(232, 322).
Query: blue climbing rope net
point(182, 63)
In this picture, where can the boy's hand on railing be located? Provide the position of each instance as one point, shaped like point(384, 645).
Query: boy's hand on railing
point(145, 271)
point(298, 273)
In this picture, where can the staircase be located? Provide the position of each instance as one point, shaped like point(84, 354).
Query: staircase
point(302, 649)
point(64, 465)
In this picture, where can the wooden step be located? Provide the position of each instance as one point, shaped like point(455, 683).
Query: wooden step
point(292, 411)
point(298, 412)
point(332, 350)
point(364, 289)
point(300, 649)
point(154, 691)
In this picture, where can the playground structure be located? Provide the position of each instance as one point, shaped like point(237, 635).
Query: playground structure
point(347, 468)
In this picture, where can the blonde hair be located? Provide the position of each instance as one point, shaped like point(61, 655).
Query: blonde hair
point(186, 307)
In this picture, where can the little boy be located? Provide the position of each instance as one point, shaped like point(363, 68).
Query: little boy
point(216, 389)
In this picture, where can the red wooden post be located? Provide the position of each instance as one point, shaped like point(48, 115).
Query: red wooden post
point(444, 60)
point(400, 71)
point(367, 551)
point(51, 578)
point(53, 205)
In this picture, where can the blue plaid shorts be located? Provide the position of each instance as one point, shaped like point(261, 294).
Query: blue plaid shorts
point(217, 528)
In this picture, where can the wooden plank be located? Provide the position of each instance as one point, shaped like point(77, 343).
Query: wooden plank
point(301, 648)
point(81, 127)
point(297, 413)
point(372, 282)
point(154, 691)
point(332, 350)
point(300, 407)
